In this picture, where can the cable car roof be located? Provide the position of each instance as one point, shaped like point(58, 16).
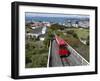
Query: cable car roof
point(60, 41)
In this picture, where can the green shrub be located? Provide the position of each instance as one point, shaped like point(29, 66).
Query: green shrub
point(70, 31)
point(75, 35)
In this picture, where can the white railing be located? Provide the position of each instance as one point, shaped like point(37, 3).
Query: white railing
point(77, 55)
point(49, 55)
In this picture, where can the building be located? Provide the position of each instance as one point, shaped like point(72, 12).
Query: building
point(38, 32)
point(84, 24)
point(69, 23)
point(42, 37)
point(75, 24)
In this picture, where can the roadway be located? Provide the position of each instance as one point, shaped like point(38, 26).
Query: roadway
point(56, 61)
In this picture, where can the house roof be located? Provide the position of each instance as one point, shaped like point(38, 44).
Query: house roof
point(37, 30)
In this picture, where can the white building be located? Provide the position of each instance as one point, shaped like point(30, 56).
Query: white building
point(44, 30)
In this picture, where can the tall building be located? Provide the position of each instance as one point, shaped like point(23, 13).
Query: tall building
point(69, 24)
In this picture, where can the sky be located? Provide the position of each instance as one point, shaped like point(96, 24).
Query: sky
point(34, 14)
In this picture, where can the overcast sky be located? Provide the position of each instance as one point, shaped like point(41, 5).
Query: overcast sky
point(32, 14)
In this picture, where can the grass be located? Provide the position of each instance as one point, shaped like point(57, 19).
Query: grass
point(82, 33)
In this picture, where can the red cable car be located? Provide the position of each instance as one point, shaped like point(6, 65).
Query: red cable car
point(63, 51)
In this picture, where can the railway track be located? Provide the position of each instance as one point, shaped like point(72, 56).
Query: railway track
point(65, 62)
